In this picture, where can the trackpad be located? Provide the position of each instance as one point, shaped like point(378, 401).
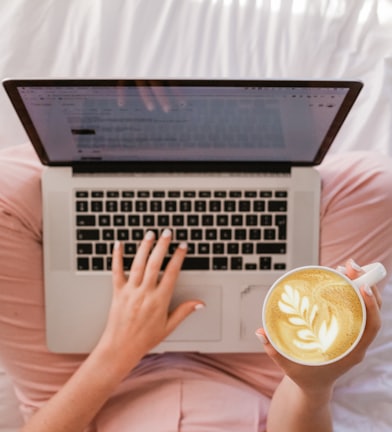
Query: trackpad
point(204, 324)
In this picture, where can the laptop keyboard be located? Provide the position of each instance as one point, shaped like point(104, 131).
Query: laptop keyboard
point(224, 230)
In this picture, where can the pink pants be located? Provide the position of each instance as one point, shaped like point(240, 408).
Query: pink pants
point(170, 392)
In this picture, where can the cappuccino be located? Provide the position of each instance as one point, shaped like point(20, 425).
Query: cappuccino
point(314, 315)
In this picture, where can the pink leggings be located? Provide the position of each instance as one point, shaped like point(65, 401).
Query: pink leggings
point(187, 391)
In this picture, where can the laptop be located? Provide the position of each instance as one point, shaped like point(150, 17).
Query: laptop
point(228, 165)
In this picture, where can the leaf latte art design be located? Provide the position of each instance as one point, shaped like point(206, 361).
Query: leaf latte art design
point(312, 334)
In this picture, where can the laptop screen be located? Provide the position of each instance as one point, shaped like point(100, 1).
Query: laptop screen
point(107, 121)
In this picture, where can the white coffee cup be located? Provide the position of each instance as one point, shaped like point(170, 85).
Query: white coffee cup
point(315, 315)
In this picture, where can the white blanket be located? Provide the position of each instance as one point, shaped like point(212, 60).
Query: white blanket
point(344, 39)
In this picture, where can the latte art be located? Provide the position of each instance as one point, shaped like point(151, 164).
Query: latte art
point(313, 315)
point(302, 314)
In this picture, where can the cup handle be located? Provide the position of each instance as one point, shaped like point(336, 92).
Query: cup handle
point(373, 273)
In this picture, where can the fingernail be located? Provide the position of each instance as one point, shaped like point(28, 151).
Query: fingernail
point(341, 269)
point(116, 245)
point(199, 306)
point(368, 290)
point(261, 337)
point(354, 265)
point(166, 233)
point(149, 235)
point(183, 245)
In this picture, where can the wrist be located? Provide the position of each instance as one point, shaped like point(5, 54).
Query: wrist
point(315, 396)
point(111, 361)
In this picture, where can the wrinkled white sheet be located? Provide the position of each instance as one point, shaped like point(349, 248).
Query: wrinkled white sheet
point(345, 39)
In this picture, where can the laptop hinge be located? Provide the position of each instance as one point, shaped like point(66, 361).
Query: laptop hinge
point(181, 167)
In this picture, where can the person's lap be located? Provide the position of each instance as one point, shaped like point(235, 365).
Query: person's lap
point(356, 199)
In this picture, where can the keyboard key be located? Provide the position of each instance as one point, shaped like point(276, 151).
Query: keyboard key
point(178, 220)
point(133, 220)
point(104, 220)
point(87, 234)
point(83, 264)
point(222, 220)
point(200, 206)
point(171, 206)
point(281, 222)
point(148, 220)
point(219, 263)
point(122, 234)
point(185, 206)
point(163, 221)
point(119, 220)
point(111, 206)
point(101, 248)
point(85, 220)
point(233, 248)
point(81, 206)
point(230, 206)
point(237, 220)
point(196, 234)
point(269, 234)
point(258, 206)
point(126, 206)
point(141, 206)
point(265, 263)
point(218, 248)
point(247, 248)
point(236, 263)
point(207, 220)
point(108, 234)
point(84, 248)
point(130, 248)
point(271, 248)
point(96, 206)
point(196, 263)
point(277, 206)
point(97, 263)
point(203, 248)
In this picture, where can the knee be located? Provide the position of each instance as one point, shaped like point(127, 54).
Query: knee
point(20, 186)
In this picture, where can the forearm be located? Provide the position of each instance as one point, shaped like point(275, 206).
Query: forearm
point(76, 404)
point(295, 410)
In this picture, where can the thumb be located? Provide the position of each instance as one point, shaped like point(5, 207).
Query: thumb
point(181, 312)
point(268, 348)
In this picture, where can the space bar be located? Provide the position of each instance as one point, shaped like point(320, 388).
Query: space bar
point(196, 263)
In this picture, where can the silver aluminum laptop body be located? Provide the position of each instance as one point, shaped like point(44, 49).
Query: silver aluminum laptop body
point(197, 138)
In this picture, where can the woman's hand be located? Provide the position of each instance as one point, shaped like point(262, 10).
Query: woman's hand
point(311, 378)
point(139, 316)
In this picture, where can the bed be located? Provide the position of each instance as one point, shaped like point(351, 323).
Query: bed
point(343, 39)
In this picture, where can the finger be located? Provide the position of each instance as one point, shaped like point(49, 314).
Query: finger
point(139, 262)
point(173, 269)
point(377, 295)
point(373, 317)
point(155, 260)
point(268, 348)
point(353, 270)
point(118, 277)
point(145, 95)
point(181, 312)
point(160, 92)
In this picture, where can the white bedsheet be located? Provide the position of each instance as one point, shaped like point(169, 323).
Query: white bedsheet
point(347, 39)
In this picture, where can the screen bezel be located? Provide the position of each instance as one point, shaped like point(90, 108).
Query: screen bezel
point(11, 86)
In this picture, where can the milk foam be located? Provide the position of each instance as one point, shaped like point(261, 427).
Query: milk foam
point(314, 316)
